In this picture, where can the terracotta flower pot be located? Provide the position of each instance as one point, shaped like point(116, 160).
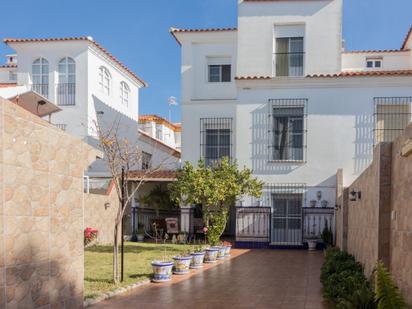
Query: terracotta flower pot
point(181, 265)
point(162, 271)
point(197, 260)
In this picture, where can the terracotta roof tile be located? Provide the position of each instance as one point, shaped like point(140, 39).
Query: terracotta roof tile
point(5, 85)
point(153, 175)
point(252, 77)
point(341, 74)
point(173, 31)
point(376, 51)
point(159, 119)
point(365, 73)
point(82, 38)
point(405, 41)
point(6, 66)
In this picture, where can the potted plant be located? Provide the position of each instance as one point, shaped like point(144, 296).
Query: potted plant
point(182, 264)
point(312, 240)
point(198, 255)
point(211, 254)
point(221, 251)
point(162, 269)
point(140, 232)
point(228, 247)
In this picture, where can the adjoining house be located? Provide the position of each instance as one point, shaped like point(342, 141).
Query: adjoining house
point(282, 96)
point(89, 86)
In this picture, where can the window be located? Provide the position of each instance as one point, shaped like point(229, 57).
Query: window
point(40, 76)
point(374, 63)
point(219, 73)
point(288, 129)
point(289, 56)
point(124, 93)
point(392, 115)
point(66, 88)
point(12, 76)
point(146, 160)
point(216, 139)
point(105, 80)
point(159, 131)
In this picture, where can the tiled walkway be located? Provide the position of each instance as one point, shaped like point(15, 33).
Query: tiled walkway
point(252, 279)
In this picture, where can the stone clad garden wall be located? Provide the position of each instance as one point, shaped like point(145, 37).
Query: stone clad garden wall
point(41, 212)
point(100, 211)
point(379, 223)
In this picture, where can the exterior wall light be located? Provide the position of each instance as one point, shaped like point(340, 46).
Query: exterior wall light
point(319, 195)
point(354, 195)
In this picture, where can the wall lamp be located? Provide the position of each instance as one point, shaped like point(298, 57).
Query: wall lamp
point(354, 195)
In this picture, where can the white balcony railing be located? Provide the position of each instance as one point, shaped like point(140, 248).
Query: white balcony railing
point(65, 92)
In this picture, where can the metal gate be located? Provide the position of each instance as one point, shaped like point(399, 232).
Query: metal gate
point(287, 219)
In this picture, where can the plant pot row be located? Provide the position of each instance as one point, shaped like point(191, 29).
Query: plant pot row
point(181, 265)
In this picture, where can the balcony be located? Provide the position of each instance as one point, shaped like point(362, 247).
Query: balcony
point(289, 64)
point(60, 126)
point(66, 94)
point(42, 89)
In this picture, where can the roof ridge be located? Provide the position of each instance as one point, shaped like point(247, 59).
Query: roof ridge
point(80, 38)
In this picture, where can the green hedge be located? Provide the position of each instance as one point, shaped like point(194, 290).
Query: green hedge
point(344, 283)
point(346, 287)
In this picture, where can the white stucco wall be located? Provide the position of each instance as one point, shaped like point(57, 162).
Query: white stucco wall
point(256, 32)
point(96, 59)
point(196, 48)
point(390, 60)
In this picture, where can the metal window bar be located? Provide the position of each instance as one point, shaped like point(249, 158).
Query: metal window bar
point(66, 94)
point(287, 130)
point(42, 89)
point(216, 139)
point(391, 116)
point(61, 126)
point(286, 201)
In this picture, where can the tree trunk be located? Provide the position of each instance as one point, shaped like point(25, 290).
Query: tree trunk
point(115, 254)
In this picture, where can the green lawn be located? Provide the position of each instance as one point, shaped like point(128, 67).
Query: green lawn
point(98, 262)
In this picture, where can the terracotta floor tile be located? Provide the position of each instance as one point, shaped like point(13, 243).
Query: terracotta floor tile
point(250, 279)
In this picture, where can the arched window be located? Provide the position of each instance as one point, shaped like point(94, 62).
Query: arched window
point(104, 80)
point(66, 89)
point(124, 93)
point(40, 76)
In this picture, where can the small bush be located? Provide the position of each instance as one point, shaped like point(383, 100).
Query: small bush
point(387, 294)
point(342, 276)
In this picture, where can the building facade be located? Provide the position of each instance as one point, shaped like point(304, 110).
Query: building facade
point(281, 96)
point(88, 84)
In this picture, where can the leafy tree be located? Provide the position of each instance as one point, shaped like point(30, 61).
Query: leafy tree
point(387, 294)
point(216, 188)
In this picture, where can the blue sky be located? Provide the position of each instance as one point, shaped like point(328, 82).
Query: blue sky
point(136, 31)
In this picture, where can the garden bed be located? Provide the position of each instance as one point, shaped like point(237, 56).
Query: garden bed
point(98, 261)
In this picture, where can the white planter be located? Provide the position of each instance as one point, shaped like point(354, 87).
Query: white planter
point(312, 244)
point(140, 237)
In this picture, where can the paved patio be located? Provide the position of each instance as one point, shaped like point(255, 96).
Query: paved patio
point(250, 279)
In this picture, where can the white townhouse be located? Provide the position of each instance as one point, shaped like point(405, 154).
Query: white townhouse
point(161, 129)
point(281, 96)
point(89, 85)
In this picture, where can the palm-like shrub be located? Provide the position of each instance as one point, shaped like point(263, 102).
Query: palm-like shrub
point(387, 294)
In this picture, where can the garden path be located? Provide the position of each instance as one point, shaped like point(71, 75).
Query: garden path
point(250, 279)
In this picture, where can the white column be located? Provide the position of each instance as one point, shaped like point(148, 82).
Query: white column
point(186, 215)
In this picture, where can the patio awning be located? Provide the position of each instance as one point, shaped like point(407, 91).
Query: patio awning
point(153, 176)
point(35, 103)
